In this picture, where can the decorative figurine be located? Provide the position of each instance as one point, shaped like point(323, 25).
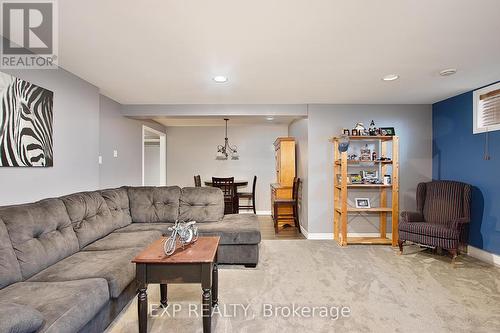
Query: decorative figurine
point(343, 143)
point(345, 131)
point(187, 233)
point(372, 130)
point(361, 129)
point(354, 132)
point(374, 156)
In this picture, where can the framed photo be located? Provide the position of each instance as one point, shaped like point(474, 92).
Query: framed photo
point(369, 174)
point(387, 131)
point(354, 132)
point(355, 178)
point(346, 131)
point(362, 202)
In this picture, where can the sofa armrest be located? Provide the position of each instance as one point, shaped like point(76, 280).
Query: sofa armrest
point(19, 318)
point(408, 217)
point(458, 223)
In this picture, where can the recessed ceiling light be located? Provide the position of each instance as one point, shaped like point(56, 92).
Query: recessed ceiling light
point(448, 72)
point(220, 79)
point(390, 77)
point(269, 118)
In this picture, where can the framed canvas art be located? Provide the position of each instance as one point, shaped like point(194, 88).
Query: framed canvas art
point(26, 119)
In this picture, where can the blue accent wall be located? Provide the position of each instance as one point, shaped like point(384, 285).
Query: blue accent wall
point(458, 155)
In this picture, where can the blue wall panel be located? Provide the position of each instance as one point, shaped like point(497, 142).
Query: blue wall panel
point(458, 155)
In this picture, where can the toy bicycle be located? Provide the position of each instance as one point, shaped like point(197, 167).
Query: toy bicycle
point(187, 233)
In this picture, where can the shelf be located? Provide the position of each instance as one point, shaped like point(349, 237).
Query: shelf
point(367, 138)
point(365, 210)
point(363, 163)
point(365, 186)
point(369, 240)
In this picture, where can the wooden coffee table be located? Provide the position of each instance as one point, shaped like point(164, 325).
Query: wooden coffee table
point(196, 263)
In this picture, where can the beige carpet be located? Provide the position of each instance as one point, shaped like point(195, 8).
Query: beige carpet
point(416, 292)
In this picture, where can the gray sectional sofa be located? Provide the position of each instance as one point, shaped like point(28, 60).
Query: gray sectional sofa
point(65, 263)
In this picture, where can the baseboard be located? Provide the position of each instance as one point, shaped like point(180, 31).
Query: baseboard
point(329, 235)
point(259, 212)
point(483, 255)
point(304, 232)
point(319, 235)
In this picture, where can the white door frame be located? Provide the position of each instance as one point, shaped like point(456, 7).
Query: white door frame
point(163, 154)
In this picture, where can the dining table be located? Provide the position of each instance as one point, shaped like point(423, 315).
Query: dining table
point(236, 202)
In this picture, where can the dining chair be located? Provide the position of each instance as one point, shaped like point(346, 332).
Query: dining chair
point(292, 203)
point(249, 196)
point(197, 181)
point(229, 191)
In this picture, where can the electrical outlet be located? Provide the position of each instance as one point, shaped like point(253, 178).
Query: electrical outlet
point(100, 159)
point(115, 153)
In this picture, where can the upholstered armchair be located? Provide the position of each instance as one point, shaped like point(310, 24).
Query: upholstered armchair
point(442, 216)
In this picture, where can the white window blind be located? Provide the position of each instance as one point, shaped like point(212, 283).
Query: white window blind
point(487, 109)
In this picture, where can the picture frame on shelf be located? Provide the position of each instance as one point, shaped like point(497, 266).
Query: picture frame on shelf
point(369, 174)
point(355, 178)
point(387, 131)
point(362, 202)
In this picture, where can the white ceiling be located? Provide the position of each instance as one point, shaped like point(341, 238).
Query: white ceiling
point(219, 121)
point(280, 51)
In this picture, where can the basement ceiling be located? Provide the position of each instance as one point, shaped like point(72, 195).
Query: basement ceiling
point(280, 51)
point(219, 121)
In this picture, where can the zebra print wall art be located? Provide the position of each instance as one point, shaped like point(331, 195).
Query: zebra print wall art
point(26, 118)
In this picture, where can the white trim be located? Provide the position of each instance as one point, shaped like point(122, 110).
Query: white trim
point(163, 154)
point(304, 232)
point(490, 258)
point(475, 101)
point(329, 235)
point(258, 212)
point(319, 235)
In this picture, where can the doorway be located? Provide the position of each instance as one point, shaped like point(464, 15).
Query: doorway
point(154, 157)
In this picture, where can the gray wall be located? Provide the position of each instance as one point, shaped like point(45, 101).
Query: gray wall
point(76, 142)
point(152, 164)
point(192, 150)
point(123, 134)
point(413, 124)
point(299, 129)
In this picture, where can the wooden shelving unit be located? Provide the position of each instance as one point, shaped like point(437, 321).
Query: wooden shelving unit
point(341, 192)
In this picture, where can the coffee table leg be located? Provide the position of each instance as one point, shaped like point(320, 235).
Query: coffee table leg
point(142, 307)
point(207, 310)
point(215, 287)
point(163, 295)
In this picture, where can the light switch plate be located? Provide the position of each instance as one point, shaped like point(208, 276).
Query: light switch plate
point(115, 153)
point(100, 159)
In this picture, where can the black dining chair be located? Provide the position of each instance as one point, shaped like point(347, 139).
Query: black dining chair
point(229, 191)
point(249, 196)
point(197, 181)
point(293, 203)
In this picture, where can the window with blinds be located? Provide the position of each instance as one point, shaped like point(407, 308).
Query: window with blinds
point(487, 109)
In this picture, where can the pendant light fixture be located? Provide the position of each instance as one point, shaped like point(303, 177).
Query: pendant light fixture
point(223, 151)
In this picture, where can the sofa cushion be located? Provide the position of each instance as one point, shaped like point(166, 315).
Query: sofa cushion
point(154, 204)
point(201, 204)
point(114, 265)
point(10, 271)
point(123, 240)
point(41, 234)
point(89, 215)
point(65, 306)
point(430, 229)
point(233, 229)
point(118, 204)
point(17, 318)
point(158, 226)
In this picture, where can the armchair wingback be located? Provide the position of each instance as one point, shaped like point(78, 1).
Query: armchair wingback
point(442, 216)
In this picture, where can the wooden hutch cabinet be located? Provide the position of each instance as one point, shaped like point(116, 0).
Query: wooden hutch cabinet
point(284, 152)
